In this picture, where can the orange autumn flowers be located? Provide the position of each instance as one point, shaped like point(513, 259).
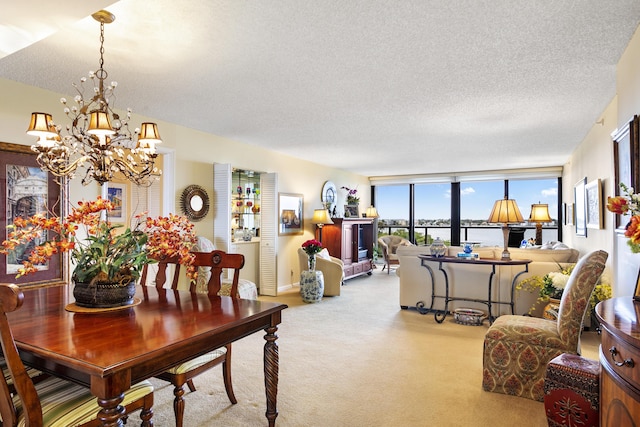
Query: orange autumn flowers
point(105, 254)
point(629, 203)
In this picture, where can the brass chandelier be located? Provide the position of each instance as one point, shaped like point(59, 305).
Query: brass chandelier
point(97, 139)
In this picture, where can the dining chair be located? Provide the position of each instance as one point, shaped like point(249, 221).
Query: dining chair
point(52, 401)
point(214, 263)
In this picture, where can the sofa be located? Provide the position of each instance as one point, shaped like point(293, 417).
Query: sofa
point(471, 281)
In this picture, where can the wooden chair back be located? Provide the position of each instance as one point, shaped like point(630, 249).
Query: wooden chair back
point(11, 298)
point(163, 266)
point(209, 263)
point(218, 261)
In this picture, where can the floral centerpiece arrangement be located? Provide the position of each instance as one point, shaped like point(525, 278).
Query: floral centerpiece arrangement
point(104, 256)
point(629, 203)
point(311, 248)
point(352, 195)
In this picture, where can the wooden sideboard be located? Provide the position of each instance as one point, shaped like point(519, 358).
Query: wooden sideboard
point(351, 240)
point(620, 360)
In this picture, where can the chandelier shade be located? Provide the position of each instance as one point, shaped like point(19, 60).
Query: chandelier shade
point(41, 125)
point(98, 139)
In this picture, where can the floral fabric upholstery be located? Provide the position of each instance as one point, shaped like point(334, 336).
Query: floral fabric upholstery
point(517, 349)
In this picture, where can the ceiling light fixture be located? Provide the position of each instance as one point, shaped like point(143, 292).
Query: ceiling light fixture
point(97, 138)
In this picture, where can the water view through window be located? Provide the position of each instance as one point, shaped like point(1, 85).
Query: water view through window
point(432, 209)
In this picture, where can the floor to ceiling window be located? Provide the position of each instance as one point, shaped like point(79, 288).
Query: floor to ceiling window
point(422, 212)
point(432, 212)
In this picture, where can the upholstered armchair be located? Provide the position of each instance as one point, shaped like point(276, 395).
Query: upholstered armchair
point(517, 349)
point(389, 245)
point(331, 267)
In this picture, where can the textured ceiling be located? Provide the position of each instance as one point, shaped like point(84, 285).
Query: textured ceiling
point(374, 87)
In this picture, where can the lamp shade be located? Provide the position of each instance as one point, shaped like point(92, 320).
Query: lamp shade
point(149, 132)
point(41, 125)
point(372, 212)
point(539, 213)
point(321, 216)
point(505, 211)
point(100, 124)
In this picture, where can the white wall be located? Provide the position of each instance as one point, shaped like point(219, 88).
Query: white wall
point(594, 159)
point(195, 154)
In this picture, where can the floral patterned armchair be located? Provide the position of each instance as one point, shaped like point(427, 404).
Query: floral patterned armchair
point(517, 349)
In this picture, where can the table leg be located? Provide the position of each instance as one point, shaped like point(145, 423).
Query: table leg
point(111, 413)
point(493, 273)
point(443, 315)
point(271, 364)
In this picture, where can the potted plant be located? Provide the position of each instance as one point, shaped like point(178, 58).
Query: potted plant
point(352, 196)
point(549, 288)
point(106, 263)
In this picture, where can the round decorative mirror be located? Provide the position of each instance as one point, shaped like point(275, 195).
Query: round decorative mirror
point(195, 202)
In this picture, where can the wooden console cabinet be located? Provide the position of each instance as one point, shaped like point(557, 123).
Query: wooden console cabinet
point(620, 361)
point(351, 240)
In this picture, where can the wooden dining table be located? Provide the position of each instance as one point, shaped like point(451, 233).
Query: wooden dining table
point(109, 351)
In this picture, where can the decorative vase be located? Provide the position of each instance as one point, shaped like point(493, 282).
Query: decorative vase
point(312, 262)
point(103, 295)
point(550, 311)
point(438, 248)
point(311, 286)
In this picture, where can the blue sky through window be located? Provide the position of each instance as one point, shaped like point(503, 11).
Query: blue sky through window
point(433, 201)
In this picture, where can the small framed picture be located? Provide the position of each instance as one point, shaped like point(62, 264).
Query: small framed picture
point(117, 195)
point(290, 210)
point(351, 211)
point(570, 215)
point(581, 208)
point(593, 193)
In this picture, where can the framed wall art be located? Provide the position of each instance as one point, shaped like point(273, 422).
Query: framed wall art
point(26, 190)
point(570, 214)
point(290, 214)
point(580, 207)
point(593, 200)
point(117, 195)
point(626, 148)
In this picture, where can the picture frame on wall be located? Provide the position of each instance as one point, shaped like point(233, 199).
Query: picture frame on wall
point(570, 214)
point(626, 148)
point(593, 200)
point(290, 214)
point(580, 207)
point(117, 195)
point(26, 190)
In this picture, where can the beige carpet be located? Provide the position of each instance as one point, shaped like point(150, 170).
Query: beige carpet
point(359, 360)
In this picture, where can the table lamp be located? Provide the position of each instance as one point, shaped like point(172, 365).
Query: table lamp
point(320, 218)
point(539, 214)
point(505, 212)
point(371, 212)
